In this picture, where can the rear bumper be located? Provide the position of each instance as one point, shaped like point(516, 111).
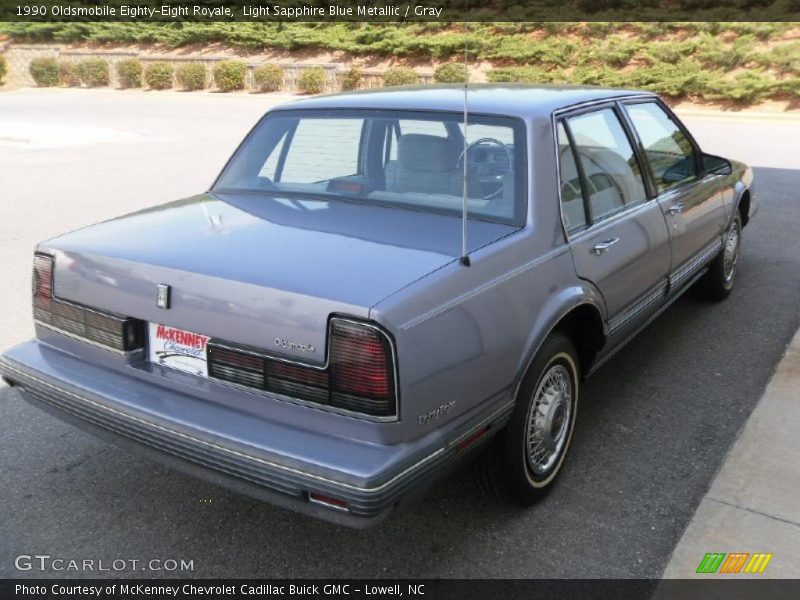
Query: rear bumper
point(271, 461)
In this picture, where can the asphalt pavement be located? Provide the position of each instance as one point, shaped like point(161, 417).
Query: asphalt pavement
point(653, 428)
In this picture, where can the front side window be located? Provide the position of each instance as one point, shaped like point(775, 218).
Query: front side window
point(398, 158)
point(611, 171)
point(669, 151)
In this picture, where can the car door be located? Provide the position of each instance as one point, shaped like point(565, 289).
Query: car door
point(693, 202)
point(617, 234)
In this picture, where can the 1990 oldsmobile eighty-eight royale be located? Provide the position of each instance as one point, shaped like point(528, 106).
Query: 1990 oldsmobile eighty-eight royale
point(311, 330)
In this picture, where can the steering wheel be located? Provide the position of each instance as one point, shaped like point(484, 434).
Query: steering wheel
point(496, 142)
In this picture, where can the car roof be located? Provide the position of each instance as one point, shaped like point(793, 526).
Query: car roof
point(501, 99)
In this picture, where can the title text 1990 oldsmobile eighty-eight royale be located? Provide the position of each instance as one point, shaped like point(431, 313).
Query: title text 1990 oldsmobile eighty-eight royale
point(323, 330)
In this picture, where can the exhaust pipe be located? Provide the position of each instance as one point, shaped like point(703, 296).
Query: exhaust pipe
point(7, 381)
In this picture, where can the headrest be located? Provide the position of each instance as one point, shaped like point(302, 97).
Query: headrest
point(426, 152)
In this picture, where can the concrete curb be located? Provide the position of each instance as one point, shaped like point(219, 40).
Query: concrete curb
point(753, 505)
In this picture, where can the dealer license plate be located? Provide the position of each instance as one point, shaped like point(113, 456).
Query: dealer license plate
point(178, 349)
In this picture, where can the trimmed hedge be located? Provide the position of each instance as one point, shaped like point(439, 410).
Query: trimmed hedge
point(159, 75)
point(68, 73)
point(94, 72)
point(525, 74)
point(3, 67)
point(44, 71)
point(229, 75)
point(268, 78)
point(192, 76)
point(311, 81)
point(129, 72)
point(451, 73)
point(400, 76)
point(351, 80)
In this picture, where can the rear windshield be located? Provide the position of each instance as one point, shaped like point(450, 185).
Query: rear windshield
point(411, 160)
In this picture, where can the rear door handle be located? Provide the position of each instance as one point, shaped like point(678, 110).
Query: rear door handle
point(676, 209)
point(604, 246)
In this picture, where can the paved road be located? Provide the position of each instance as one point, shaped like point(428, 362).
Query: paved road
point(654, 425)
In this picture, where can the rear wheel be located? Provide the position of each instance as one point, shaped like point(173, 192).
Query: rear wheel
point(717, 283)
point(524, 459)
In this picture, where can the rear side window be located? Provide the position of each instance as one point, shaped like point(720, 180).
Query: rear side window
point(611, 172)
point(668, 149)
point(571, 193)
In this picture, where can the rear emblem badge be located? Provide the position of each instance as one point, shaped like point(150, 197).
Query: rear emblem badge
point(162, 300)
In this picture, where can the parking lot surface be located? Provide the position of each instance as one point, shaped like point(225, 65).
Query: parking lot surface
point(653, 428)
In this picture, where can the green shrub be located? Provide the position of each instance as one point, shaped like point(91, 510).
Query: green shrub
point(229, 75)
point(44, 71)
point(525, 74)
point(159, 75)
point(68, 73)
point(751, 86)
point(191, 76)
point(788, 86)
point(268, 78)
point(400, 76)
point(549, 52)
point(351, 79)
point(451, 73)
point(94, 72)
point(311, 81)
point(669, 52)
point(715, 53)
point(603, 75)
point(617, 52)
point(784, 57)
point(129, 71)
point(3, 67)
point(685, 78)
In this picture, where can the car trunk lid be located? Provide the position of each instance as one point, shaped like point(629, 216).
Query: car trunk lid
point(259, 271)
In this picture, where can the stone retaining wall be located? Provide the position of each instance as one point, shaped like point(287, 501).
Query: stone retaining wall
point(19, 57)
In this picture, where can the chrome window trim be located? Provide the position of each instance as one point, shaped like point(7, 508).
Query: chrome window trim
point(576, 109)
point(259, 353)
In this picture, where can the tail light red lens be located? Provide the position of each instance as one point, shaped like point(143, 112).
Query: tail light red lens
point(362, 371)
point(111, 331)
point(359, 376)
point(328, 501)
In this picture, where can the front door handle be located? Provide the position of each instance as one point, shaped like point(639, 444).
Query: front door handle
point(676, 209)
point(604, 246)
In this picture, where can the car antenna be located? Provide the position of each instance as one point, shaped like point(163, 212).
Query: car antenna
point(464, 260)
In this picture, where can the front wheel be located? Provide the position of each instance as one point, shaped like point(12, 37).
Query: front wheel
point(523, 461)
point(717, 283)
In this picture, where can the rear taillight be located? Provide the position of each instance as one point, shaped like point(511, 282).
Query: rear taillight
point(111, 331)
point(359, 376)
point(42, 287)
point(361, 367)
